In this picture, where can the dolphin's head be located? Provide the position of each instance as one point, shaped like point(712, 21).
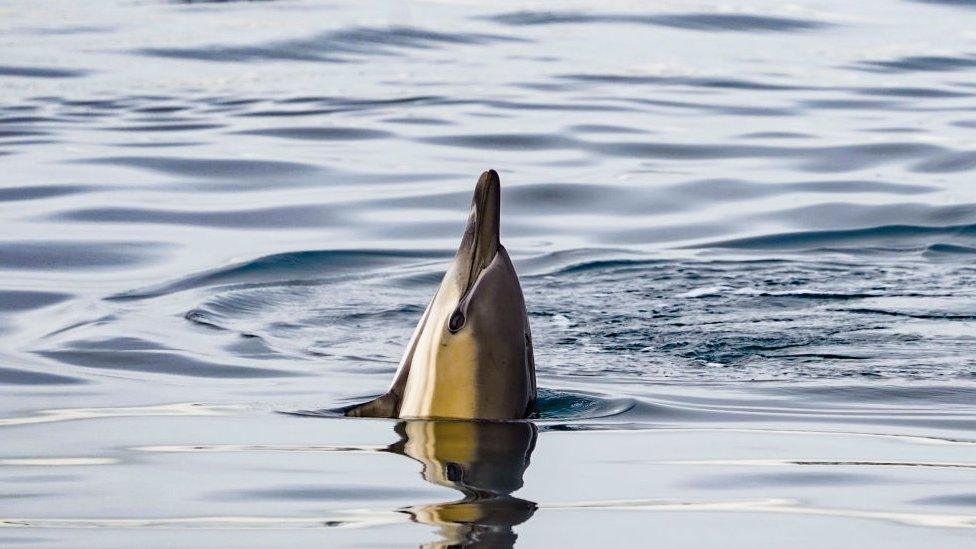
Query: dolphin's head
point(479, 244)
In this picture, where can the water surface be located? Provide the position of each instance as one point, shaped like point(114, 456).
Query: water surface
point(746, 234)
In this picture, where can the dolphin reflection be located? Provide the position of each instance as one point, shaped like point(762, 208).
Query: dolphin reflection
point(485, 461)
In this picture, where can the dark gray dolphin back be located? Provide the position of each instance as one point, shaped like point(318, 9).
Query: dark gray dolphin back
point(496, 313)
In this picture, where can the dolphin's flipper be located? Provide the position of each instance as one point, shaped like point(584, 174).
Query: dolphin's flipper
point(387, 406)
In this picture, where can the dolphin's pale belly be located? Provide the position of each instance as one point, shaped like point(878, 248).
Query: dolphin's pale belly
point(442, 381)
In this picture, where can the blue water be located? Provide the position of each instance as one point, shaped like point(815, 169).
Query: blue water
point(746, 234)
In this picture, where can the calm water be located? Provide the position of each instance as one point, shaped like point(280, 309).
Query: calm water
point(746, 234)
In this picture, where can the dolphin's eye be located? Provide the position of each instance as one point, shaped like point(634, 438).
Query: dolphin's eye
point(456, 322)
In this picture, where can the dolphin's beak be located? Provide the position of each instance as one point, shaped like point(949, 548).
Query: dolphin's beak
point(480, 241)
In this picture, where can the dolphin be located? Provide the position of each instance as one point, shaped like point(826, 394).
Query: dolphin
point(470, 356)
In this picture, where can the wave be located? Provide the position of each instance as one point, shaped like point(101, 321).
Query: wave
point(339, 46)
point(708, 82)
point(328, 133)
point(949, 251)
point(54, 255)
point(253, 219)
point(899, 236)
point(289, 266)
point(824, 159)
point(208, 167)
point(15, 194)
point(710, 22)
point(920, 63)
point(18, 376)
point(132, 354)
point(25, 300)
point(41, 72)
point(577, 260)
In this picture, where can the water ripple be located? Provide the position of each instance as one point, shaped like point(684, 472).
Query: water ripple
point(37, 192)
point(304, 265)
point(17, 376)
point(209, 167)
point(40, 72)
point(330, 47)
point(77, 255)
point(280, 217)
point(25, 300)
point(720, 22)
point(884, 235)
point(129, 355)
point(921, 63)
point(321, 133)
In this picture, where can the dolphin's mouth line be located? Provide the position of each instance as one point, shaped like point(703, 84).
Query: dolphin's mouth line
point(475, 265)
point(474, 250)
point(473, 269)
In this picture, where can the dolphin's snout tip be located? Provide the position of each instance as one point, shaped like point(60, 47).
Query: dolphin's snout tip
point(484, 222)
point(488, 189)
point(487, 195)
point(489, 177)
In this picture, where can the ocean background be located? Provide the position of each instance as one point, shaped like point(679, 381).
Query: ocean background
point(746, 234)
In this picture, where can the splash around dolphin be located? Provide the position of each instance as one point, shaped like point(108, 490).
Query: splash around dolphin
point(470, 356)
